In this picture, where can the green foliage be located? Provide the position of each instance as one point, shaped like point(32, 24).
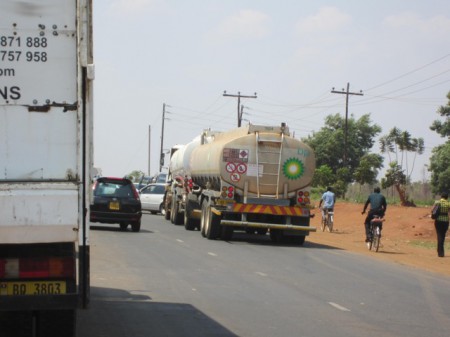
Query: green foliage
point(394, 176)
point(443, 127)
point(440, 158)
point(323, 176)
point(367, 171)
point(135, 175)
point(440, 168)
point(328, 145)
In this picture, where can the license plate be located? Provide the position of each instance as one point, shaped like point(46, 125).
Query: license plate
point(114, 205)
point(33, 288)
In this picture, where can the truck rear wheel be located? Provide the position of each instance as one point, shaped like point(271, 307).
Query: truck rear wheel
point(189, 223)
point(55, 323)
point(211, 221)
point(176, 217)
point(226, 233)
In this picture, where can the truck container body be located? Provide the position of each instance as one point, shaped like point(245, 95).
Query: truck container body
point(254, 177)
point(46, 82)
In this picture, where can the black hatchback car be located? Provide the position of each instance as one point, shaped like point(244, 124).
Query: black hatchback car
point(116, 200)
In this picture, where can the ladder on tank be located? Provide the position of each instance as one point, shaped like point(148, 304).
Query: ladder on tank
point(269, 159)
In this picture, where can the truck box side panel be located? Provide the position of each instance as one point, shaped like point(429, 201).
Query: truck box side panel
point(33, 213)
point(40, 117)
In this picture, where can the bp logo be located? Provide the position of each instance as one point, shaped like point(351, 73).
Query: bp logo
point(293, 168)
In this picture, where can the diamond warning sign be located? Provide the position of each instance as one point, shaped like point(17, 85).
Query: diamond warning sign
point(235, 155)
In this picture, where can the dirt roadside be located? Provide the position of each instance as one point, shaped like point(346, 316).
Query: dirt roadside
point(408, 237)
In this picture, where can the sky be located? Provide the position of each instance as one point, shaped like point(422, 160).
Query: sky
point(291, 53)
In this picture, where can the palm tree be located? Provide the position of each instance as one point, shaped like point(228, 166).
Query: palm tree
point(400, 143)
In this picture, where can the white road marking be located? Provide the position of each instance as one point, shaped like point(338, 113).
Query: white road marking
point(212, 254)
point(337, 306)
point(261, 274)
point(181, 241)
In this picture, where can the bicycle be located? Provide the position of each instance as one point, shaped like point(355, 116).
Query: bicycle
point(327, 219)
point(375, 233)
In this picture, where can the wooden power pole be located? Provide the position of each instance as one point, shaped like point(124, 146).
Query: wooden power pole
point(239, 114)
point(346, 93)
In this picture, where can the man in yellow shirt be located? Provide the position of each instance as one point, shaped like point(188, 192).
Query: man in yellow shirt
point(441, 222)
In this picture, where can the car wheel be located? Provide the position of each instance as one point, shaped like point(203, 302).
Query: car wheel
point(136, 226)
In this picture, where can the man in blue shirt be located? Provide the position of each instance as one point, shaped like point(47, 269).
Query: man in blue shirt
point(378, 207)
point(328, 199)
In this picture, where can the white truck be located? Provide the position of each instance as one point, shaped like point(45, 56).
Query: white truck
point(254, 178)
point(46, 107)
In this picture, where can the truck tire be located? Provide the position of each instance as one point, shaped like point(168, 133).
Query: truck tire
point(123, 226)
point(203, 220)
point(56, 323)
point(175, 217)
point(189, 223)
point(212, 222)
point(298, 240)
point(276, 235)
point(226, 233)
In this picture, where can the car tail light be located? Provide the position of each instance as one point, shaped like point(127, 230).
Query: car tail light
point(54, 267)
point(2, 268)
point(135, 192)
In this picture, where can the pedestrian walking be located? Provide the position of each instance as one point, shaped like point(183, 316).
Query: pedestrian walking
point(441, 222)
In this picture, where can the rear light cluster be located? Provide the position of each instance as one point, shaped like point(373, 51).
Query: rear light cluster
point(303, 197)
point(227, 192)
point(190, 184)
point(135, 192)
point(34, 268)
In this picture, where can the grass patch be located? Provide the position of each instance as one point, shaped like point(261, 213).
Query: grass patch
point(428, 244)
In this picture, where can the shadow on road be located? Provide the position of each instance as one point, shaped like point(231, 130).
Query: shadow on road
point(119, 313)
point(264, 240)
point(113, 228)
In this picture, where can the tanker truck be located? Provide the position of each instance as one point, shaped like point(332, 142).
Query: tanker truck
point(253, 178)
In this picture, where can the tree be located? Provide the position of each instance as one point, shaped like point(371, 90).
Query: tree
point(440, 158)
point(135, 175)
point(367, 171)
point(323, 176)
point(400, 143)
point(443, 127)
point(328, 145)
point(440, 168)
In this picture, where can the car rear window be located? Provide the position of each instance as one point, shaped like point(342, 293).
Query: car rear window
point(113, 189)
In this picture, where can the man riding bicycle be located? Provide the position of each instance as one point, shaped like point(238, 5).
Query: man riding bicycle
point(378, 207)
point(328, 199)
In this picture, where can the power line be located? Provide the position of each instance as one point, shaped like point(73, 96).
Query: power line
point(409, 72)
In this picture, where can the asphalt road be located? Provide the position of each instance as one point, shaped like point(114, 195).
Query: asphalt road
point(166, 281)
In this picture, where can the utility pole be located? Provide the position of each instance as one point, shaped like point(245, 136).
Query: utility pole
point(346, 93)
point(239, 113)
point(149, 146)
point(161, 153)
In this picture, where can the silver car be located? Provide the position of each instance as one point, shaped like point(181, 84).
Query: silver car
point(152, 197)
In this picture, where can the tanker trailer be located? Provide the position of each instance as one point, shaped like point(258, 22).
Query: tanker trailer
point(180, 186)
point(253, 178)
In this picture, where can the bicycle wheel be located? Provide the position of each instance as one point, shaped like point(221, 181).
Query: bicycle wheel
point(324, 223)
point(330, 222)
point(377, 239)
point(370, 243)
